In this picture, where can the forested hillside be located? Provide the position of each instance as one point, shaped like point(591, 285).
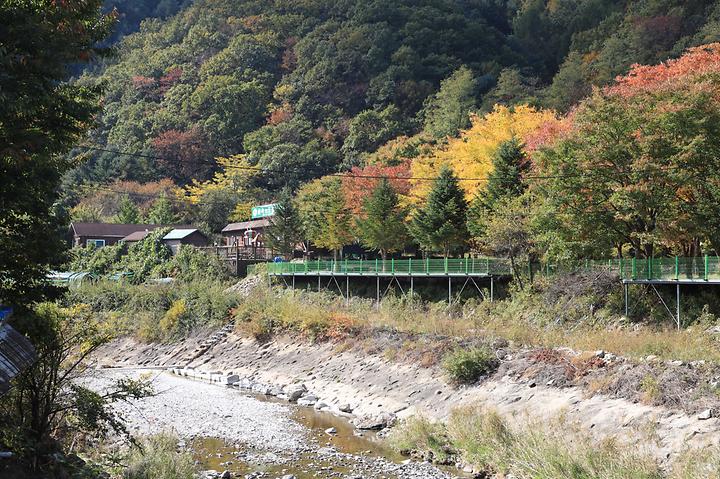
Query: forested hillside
point(226, 103)
point(310, 87)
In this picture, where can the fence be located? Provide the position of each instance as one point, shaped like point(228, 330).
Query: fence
point(701, 268)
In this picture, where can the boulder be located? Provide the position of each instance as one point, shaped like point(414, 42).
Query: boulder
point(294, 392)
point(307, 400)
point(376, 422)
point(706, 414)
point(345, 408)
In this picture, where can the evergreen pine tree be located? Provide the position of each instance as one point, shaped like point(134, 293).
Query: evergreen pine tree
point(440, 225)
point(505, 180)
point(504, 183)
point(128, 212)
point(285, 230)
point(383, 227)
point(161, 212)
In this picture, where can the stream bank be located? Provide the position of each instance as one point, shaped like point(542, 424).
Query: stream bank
point(527, 387)
point(251, 437)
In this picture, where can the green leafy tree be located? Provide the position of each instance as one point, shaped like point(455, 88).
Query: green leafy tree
point(41, 116)
point(448, 111)
point(440, 224)
point(161, 212)
point(128, 212)
point(326, 220)
point(382, 227)
point(508, 233)
point(512, 88)
point(285, 230)
point(48, 401)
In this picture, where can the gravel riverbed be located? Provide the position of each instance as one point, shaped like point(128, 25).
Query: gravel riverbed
point(248, 437)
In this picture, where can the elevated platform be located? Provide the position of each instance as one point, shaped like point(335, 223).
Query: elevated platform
point(427, 268)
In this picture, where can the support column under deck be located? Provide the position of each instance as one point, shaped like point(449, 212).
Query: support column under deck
point(678, 305)
point(377, 302)
point(626, 300)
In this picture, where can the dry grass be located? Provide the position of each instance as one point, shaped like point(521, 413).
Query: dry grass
point(524, 321)
point(533, 451)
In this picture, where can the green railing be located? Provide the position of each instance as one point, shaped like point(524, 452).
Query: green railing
point(701, 268)
point(404, 267)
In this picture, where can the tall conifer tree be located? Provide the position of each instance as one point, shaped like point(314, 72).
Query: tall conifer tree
point(440, 224)
point(285, 230)
point(383, 227)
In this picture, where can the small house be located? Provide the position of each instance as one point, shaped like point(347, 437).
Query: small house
point(135, 236)
point(103, 234)
point(188, 236)
point(246, 234)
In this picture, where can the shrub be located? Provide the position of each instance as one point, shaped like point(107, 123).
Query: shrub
point(466, 366)
point(171, 319)
point(158, 457)
point(419, 435)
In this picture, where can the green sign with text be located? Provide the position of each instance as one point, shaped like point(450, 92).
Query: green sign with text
point(263, 211)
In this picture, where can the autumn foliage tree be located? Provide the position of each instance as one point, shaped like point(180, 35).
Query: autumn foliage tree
point(359, 183)
point(183, 154)
point(471, 155)
point(640, 166)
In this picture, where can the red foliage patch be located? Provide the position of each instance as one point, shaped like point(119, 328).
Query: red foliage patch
point(697, 62)
point(360, 182)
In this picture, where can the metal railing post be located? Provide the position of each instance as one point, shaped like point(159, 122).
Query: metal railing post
point(677, 268)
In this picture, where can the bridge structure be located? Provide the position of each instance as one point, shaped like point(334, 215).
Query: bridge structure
point(678, 271)
point(470, 272)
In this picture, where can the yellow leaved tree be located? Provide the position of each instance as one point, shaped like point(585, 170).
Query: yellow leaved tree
point(234, 175)
point(470, 155)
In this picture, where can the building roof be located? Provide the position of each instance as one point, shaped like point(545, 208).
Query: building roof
point(136, 236)
point(179, 233)
point(247, 225)
point(16, 354)
point(108, 229)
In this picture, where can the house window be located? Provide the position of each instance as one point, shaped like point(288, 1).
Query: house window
point(96, 243)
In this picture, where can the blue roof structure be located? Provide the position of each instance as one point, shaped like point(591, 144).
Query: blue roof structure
point(179, 234)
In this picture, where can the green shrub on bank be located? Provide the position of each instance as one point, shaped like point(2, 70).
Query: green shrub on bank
point(150, 258)
point(465, 366)
point(156, 312)
point(158, 457)
point(419, 434)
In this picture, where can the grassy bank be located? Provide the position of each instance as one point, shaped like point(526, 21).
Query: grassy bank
point(157, 312)
point(550, 450)
point(542, 318)
point(576, 312)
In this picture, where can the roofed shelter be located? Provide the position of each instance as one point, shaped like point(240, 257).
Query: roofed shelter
point(103, 234)
point(187, 236)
